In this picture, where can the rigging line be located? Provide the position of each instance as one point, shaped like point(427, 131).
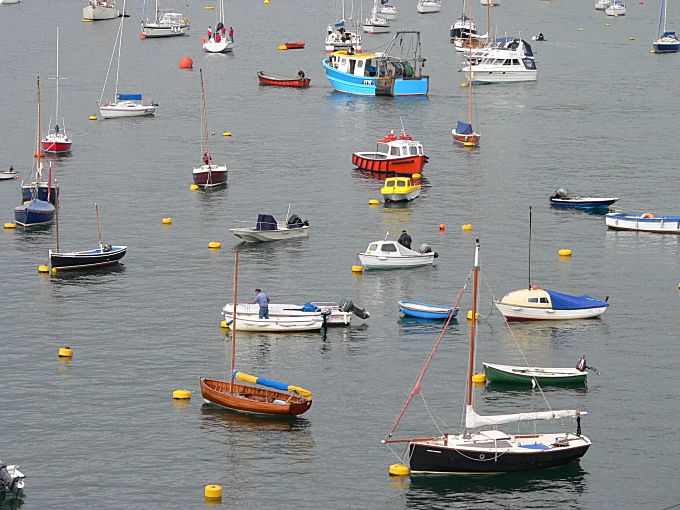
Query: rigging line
point(434, 415)
point(113, 52)
point(430, 413)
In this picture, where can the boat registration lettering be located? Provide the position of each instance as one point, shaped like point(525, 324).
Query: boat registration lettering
point(368, 82)
point(433, 451)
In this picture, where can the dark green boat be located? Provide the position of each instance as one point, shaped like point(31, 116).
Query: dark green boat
point(507, 374)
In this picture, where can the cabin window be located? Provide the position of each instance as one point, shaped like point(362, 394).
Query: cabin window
point(515, 62)
point(372, 247)
point(401, 182)
point(394, 151)
point(413, 150)
point(360, 64)
point(352, 63)
point(420, 150)
point(404, 151)
point(533, 300)
point(507, 62)
point(383, 148)
point(544, 300)
point(529, 63)
point(390, 248)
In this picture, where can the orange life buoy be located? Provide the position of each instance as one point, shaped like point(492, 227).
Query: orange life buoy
point(647, 216)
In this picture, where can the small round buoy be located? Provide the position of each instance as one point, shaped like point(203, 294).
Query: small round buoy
point(283, 47)
point(580, 29)
point(193, 187)
point(357, 269)
point(266, 1)
point(373, 201)
point(469, 315)
point(399, 470)
point(166, 221)
point(607, 24)
point(463, 85)
point(226, 133)
point(203, 40)
point(186, 63)
point(142, 36)
point(417, 176)
point(214, 245)
point(478, 378)
point(10, 225)
point(43, 269)
point(213, 492)
point(65, 352)
point(209, 7)
point(631, 38)
point(86, 20)
point(92, 117)
point(467, 226)
point(54, 270)
point(181, 394)
point(564, 252)
point(442, 227)
point(223, 324)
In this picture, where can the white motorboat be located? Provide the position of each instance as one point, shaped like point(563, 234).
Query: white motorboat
point(11, 482)
point(6, 175)
point(9, 2)
point(99, 9)
point(616, 9)
point(388, 11)
point(340, 39)
point(392, 255)
point(542, 304)
point(601, 5)
point(268, 228)
point(510, 61)
point(647, 222)
point(333, 314)
point(276, 324)
point(426, 6)
point(166, 24)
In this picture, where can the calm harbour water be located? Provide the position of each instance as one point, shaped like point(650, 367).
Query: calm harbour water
point(102, 431)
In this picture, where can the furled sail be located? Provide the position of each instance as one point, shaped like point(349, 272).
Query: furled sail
point(474, 420)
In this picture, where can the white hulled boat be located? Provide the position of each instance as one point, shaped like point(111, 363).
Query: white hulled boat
point(426, 6)
point(217, 42)
point(601, 5)
point(164, 24)
point(388, 11)
point(333, 314)
point(392, 255)
point(375, 23)
point(268, 228)
point(616, 8)
point(100, 9)
point(510, 61)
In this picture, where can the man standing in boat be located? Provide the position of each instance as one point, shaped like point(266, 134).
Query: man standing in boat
point(405, 239)
point(263, 300)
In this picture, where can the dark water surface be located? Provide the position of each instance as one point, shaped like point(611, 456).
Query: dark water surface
point(102, 430)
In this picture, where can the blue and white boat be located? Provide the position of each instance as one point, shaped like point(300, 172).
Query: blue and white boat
point(562, 198)
point(426, 311)
point(646, 222)
point(34, 213)
point(379, 74)
point(666, 42)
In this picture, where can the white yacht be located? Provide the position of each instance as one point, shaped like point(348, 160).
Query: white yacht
point(425, 6)
point(616, 9)
point(601, 5)
point(510, 61)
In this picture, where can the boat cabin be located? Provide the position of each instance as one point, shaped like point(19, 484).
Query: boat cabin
point(388, 248)
point(370, 65)
point(510, 55)
point(393, 146)
point(534, 297)
point(398, 185)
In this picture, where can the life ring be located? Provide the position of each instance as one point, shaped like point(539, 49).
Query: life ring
point(647, 216)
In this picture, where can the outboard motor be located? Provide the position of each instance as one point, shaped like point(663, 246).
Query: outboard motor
point(347, 306)
point(561, 193)
point(296, 222)
point(425, 248)
point(11, 480)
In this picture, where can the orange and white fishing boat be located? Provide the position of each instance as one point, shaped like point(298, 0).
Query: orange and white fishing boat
point(394, 155)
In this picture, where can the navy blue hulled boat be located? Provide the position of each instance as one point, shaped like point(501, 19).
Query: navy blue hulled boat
point(562, 198)
point(666, 42)
point(28, 192)
point(34, 213)
point(105, 255)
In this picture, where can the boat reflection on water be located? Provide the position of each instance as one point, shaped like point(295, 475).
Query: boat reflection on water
point(214, 417)
point(418, 326)
point(95, 275)
point(551, 488)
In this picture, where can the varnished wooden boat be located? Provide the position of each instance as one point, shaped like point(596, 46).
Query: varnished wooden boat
point(278, 81)
point(252, 399)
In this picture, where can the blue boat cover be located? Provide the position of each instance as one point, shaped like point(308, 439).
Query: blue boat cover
point(130, 97)
point(566, 302)
point(265, 222)
point(309, 307)
point(39, 206)
point(670, 34)
point(340, 23)
point(464, 128)
point(527, 49)
point(536, 446)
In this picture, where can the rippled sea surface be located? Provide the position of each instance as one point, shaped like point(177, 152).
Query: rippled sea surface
point(102, 430)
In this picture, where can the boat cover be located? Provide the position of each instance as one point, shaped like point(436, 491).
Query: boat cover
point(130, 97)
point(670, 34)
point(39, 206)
point(566, 302)
point(265, 222)
point(527, 49)
point(271, 384)
point(464, 128)
point(309, 307)
point(340, 23)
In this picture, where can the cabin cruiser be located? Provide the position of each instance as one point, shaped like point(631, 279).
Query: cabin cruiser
point(387, 254)
point(510, 61)
point(394, 155)
point(339, 38)
point(166, 24)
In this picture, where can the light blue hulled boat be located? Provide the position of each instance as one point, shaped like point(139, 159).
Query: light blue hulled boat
point(426, 311)
point(380, 74)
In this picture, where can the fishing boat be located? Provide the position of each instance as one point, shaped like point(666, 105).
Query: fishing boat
point(666, 42)
point(616, 8)
point(254, 394)
point(426, 310)
point(36, 212)
point(103, 255)
point(392, 255)
point(426, 6)
point(12, 482)
point(564, 376)
point(217, 42)
point(330, 313)
point(394, 155)
point(207, 175)
point(164, 24)
point(482, 447)
point(95, 10)
point(57, 140)
point(510, 61)
point(388, 11)
point(376, 23)
point(399, 189)
point(7, 175)
point(601, 5)
point(267, 228)
point(562, 198)
point(646, 222)
point(380, 74)
point(463, 132)
point(299, 81)
point(122, 105)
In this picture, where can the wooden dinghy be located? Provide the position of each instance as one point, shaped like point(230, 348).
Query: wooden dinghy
point(506, 374)
point(299, 81)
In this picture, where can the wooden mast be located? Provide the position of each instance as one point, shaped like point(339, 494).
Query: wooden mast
point(473, 326)
point(233, 324)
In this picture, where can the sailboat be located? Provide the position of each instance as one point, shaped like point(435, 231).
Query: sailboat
point(208, 174)
point(388, 10)
point(122, 105)
point(463, 132)
point(35, 211)
point(376, 23)
point(165, 23)
point(252, 394)
point(481, 447)
point(57, 140)
point(217, 42)
point(534, 303)
point(425, 6)
point(339, 38)
point(666, 42)
point(103, 255)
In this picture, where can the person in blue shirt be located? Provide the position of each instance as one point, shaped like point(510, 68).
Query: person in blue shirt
point(263, 300)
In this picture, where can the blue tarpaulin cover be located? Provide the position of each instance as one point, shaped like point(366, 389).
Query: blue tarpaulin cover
point(309, 307)
point(340, 23)
point(464, 128)
point(130, 97)
point(566, 302)
point(265, 222)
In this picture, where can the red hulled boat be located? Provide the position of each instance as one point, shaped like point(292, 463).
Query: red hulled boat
point(397, 155)
point(297, 45)
point(300, 81)
point(56, 141)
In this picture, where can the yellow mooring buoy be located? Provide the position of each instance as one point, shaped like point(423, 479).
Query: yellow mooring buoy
point(215, 245)
point(469, 315)
point(357, 269)
point(564, 252)
point(213, 491)
point(92, 117)
point(374, 201)
point(467, 227)
point(166, 221)
point(181, 394)
point(399, 470)
point(43, 269)
point(478, 378)
point(224, 325)
point(193, 187)
point(65, 352)
point(10, 225)
point(226, 133)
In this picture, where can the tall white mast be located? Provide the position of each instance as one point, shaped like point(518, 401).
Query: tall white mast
point(56, 115)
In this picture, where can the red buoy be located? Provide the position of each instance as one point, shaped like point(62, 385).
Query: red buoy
point(186, 63)
point(142, 36)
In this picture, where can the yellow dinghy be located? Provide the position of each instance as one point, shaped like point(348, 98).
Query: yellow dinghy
point(399, 189)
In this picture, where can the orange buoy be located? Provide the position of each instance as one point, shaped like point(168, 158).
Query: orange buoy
point(142, 36)
point(186, 63)
point(36, 154)
point(203, 40)
point(442, 227)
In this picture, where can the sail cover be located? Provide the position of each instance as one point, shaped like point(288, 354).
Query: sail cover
point(474, 420)
point(566, 302)
point(130, 97)
point(272, 384)
point(464, 128)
